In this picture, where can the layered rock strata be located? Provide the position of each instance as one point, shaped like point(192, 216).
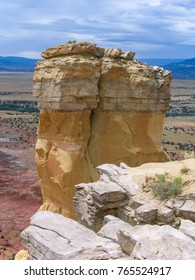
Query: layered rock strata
point(121, 192)
point(51, 236)
point(97, 106)
point(152, 242)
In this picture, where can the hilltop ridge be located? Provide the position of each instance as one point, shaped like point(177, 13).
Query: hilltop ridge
point(182, 70)
point(17, 64)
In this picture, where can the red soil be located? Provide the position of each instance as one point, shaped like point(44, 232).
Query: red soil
point(20, 197)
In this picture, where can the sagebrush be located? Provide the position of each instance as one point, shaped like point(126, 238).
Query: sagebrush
point(164, 187)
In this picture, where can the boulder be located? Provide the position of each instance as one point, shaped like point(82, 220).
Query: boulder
point(127, 214)
point(107, 194)
point(51, 236)
point(112, 227)
point(22, 255)
point(146, 213)
point(165, 215)
point(93, 201)
point(188, 228)
point(154, 242)
point(187, 210)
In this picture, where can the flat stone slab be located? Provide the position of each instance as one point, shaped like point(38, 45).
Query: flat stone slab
point(127, 183)
point(146, 213)
point(52, 236)
point(112, 227)
point(111, 169)
point(108, 192)
point(165, 215)
point(154, 242)
point(188, 228)
point(188, 210)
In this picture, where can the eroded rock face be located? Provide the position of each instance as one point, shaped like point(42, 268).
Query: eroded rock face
point(97, 106)
point(127, 193)
point(62, 158)
point(188, 228)
point(52, 236)
point(154, 242)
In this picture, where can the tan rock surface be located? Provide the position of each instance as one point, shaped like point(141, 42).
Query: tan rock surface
point(67, 83)
point(133, 138)
point(22, 255)
point(97, 106)
point(74, 48)
point(62, 158)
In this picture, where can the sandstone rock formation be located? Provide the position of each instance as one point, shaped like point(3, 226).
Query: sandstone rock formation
point(97, 106)
point(22, 255)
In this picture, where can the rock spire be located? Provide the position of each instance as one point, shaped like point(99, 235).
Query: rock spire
point(96, 106)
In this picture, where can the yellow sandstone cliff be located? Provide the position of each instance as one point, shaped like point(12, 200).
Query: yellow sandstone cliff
point(97, 106)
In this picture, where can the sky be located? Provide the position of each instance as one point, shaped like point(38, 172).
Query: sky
point(151, 28)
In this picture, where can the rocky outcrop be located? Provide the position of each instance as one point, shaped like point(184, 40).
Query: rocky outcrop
point(97, 106)
point(152, 242)
point(121, 217)
point(52, 236)
point(188, 228)
point(127, 193)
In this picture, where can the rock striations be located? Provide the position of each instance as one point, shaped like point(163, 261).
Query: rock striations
point(97, 106)
point(51, 236)
point(127, 193)
point(118, 218)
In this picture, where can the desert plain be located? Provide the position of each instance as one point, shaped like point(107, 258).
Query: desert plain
point(20, 195)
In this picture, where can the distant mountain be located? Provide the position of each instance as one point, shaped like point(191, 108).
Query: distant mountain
point(160, 61)
point(17, 64)
point(183, 70)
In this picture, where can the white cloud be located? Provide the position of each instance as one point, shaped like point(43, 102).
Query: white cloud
point(28, 54)
point(154, 3)
point(145, 25)
point(190, 42)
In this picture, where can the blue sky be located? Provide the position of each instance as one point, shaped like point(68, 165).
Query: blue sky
point(151, 28)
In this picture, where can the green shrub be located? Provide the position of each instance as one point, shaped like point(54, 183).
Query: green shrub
point(164, 187)
point(185, 170)
point(161, 177)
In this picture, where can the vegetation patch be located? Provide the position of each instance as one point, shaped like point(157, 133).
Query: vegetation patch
point(185, 170)
point(19, 105)
point(164, 187)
